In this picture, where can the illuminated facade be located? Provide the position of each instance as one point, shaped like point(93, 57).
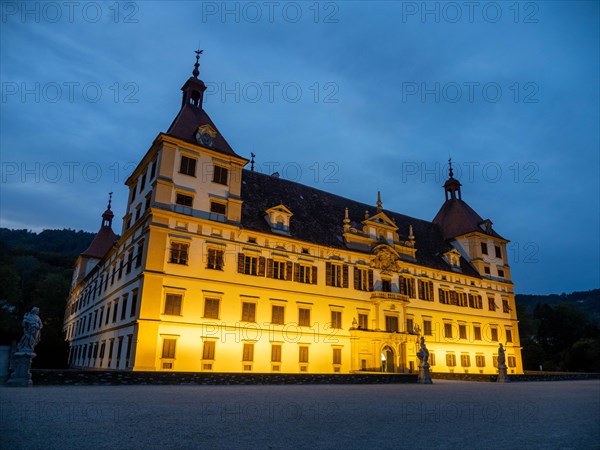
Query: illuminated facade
point(224, 269)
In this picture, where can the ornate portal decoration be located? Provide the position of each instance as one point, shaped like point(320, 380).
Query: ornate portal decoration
point(386, 259)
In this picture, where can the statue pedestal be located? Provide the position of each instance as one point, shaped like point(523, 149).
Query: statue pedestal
point(21, 375)
point(502, 375)
point(424, 375)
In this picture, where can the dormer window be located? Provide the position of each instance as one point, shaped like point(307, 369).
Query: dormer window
point(452, 257)
point(278, 218)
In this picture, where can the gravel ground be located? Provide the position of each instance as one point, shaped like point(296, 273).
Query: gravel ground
point(447, 414)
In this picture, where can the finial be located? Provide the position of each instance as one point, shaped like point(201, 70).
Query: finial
point(366, 213)
point(411, 236)
point(379, 203)
point(346, 220)
point(450, 165)
point(252, 161)
point(109, 199)
point(196, 72)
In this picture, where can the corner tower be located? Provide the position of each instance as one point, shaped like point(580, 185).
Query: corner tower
point(471, 235)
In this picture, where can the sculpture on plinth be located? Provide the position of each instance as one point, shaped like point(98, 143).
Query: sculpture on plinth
point(32, 326)
point(502, 375)
point(423, 355)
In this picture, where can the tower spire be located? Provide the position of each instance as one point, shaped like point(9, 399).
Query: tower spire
point(379, 202)
point(196, 71)
point(107, 216)
point(452, 185)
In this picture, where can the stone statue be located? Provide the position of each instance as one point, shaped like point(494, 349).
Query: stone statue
point(502, 369)
point(423, 355)
point(21, 375)
point(501, 357)
point(32, 325)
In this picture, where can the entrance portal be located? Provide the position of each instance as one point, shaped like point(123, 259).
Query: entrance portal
point(387, 360)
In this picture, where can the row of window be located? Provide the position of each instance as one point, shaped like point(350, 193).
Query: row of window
point(185, 203)
point(212, 306)
point(497, 250)
point(452, 331)
point(465, 360)
point(93, 354)
point(100, 284)
point(141, 182)
point(104, 315)
point(188, 166)
point(246, 353)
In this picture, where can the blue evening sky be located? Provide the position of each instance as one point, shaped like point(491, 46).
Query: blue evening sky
point(349, 97)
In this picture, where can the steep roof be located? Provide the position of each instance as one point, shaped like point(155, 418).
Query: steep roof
point(186, 123)
point(456, 218)
point(102, 243)
point(318, 217)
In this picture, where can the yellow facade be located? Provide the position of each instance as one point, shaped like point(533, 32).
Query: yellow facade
point(188, 287)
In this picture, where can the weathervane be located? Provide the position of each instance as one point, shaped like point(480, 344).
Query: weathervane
point(450, 164)
point(196, 72)
point(252, 161)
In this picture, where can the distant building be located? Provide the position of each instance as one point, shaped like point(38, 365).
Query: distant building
point(219, 268)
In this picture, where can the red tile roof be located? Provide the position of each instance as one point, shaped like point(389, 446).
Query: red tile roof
point(456, 218)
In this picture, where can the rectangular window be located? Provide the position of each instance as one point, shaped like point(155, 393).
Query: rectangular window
point(107, 313)
point(484, 248)
point(218, 208)
point(427, 331)
point(475, 301)
point(363, 321)
point(248, 312)
point(410, 326)
point(304, 317)
point(444, 296)
point(277, 314)
point(386, 285)
point(114, 318)
point(425, 289)
point(129, 261)
point(179, 253)
point(304, 274)
point(498, 251)
point(508, 335)
point(276, 353)
point(505, 306)
point(501, 273)
point(407, 287)
point(133, 309)
point(208, 351)
point(450, 359)
point(153, 170)
point(168, 350)
point(334, 275)
point(491, 304)
point(188, 166)
point(143, 183)
point(336, 319)
point(465, 360)
point(477, 332)
point(138, 256)
point(494, 334)
point(432, 359)
point(250, 265)
point(215, 259)
point(448, 330)
point(486, 270)
point(211, 308)
point(361, 279)
point(512, 362)
point(173, 304)
point(337, 356)
point(220, 175)
point(121, 264)
point(248, 352)
point(462, 331)
point(124, 307)
point(279, 270)
point(391, 324)
point(480, 360)
point(303, 354)
point(184, 200)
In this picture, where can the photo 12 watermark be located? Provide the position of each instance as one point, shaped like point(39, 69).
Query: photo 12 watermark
point(270, 12)
point(272, 92)
point(470, 92)
point(470, 12)
point(68, 92)
point(65, 12)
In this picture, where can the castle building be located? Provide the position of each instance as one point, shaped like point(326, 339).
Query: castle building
point(220, 268)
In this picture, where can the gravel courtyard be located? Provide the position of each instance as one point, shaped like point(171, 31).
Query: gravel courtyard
point(448, 414)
